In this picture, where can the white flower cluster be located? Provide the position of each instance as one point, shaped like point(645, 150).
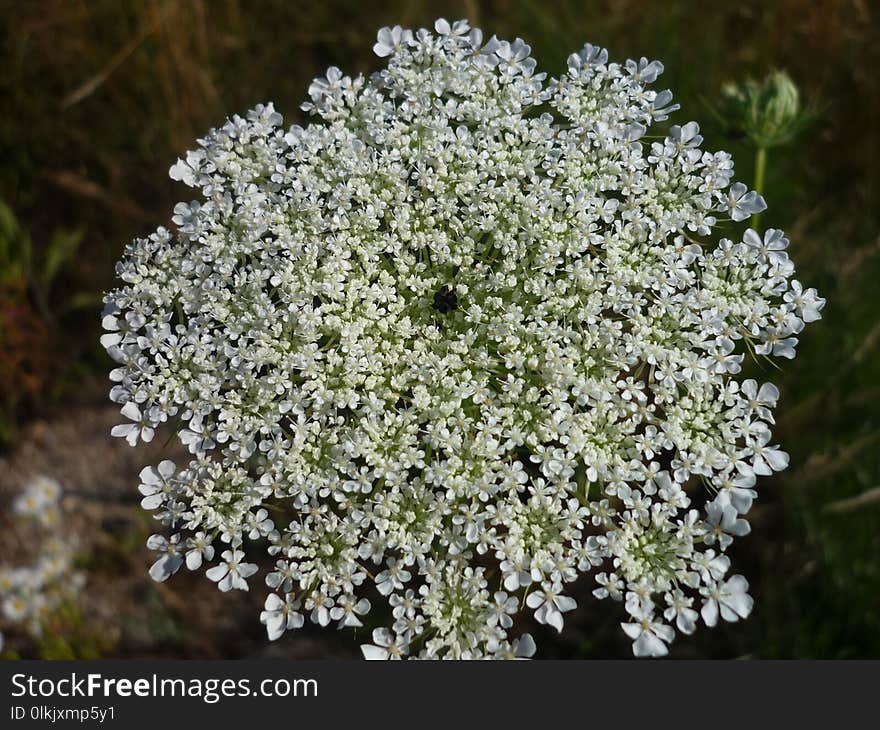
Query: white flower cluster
point(465, 337)
point(28, 594)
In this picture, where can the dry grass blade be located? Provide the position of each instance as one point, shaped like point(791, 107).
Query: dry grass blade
point(95, 82)
point(825, 465)
point(80, 186)
point(841, 506)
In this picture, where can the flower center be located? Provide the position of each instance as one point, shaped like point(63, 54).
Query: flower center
point(445, 300)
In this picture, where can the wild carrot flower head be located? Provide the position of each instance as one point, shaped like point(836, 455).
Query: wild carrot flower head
point(463, 338)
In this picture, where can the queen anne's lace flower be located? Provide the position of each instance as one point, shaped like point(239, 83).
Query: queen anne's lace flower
point(466, 337)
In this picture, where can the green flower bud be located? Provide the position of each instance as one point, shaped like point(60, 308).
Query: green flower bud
point(783, 102)
point(768, 112)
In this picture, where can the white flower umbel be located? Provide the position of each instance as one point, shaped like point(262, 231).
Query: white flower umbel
point(466, 336)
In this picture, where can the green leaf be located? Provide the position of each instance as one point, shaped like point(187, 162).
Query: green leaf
point(59, 250)
point(82, 300)
point(15, 244)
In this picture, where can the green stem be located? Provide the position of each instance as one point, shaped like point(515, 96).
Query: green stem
point(760, 167)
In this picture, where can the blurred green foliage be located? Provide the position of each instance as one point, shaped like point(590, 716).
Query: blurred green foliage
point(102, 96)
point(28, 313)
point(67, 634)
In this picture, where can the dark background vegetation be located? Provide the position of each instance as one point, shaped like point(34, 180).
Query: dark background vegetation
point(98, 100)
